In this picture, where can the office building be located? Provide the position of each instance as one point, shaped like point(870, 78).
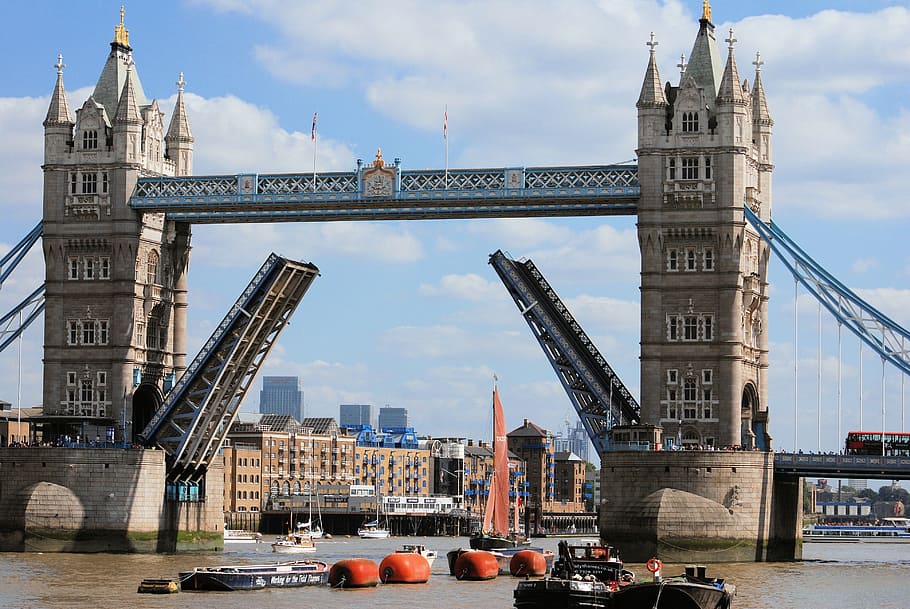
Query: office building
point(390, 418)
point(355, 414)
point(281, 395)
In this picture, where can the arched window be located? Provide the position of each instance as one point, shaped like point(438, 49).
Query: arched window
point(151, 268)
point(90, 139)
point(286, 488)
point(296, 487)
point(690, 122)
point(273, 489)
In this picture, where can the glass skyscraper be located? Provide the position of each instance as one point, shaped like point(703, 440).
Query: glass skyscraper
point(355, 414)
point(281, 395)
point(392, 417)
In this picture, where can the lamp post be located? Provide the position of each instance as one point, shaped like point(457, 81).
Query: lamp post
point(459, 485)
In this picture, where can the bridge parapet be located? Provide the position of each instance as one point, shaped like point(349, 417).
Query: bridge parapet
point(843, 466)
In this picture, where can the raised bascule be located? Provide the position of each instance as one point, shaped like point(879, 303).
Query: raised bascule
point(119, 201)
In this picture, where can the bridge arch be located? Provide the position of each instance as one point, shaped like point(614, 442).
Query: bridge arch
point(146, 401)
point(749, 406)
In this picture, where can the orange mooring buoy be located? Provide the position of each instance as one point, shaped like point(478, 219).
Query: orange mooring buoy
point(404, 568)
point(476, 565)
point(528, 563)
point(354, 573)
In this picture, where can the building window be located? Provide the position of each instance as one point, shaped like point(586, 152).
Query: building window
point(690, 327)
point(708, 168)
point(102, 379)
point(72, 332)
point(707, 376)
point(104, 183)
point(74, 180)
point(89, 268)
point(672, 376)
point(151, 268)
point(690, 259)
point(88, 332)
point(86, 393)
point(73, 268)
point(708, 259)
point(140, 333)
point(90, 140)
point(671, 169)
point(672, 260)
point(690, 168)
point(689, 122)
point(102, 331)
point(709, 327)
point(89, 183)
point(672, 327)
point(104, 268)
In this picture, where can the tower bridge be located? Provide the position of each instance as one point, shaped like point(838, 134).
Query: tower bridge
point(119, 202)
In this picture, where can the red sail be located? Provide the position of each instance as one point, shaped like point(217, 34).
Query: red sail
point(500, 469)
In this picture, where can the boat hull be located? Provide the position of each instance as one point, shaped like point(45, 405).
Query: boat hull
point(563, 593)
point(256, 577)
point(672, 595)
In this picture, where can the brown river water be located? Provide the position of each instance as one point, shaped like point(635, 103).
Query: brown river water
point(832, 576)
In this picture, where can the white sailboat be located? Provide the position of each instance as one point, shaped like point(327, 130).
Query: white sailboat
point(297, 542)
point(373, 529)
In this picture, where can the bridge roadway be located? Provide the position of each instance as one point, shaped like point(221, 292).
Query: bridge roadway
point(842, 466)
point(386, 192)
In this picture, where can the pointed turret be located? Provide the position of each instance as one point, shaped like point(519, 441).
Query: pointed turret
point(652, 90)
point(128, 123)
point(116, 71)
point(58, 112)
point(731, 89)
point(704, 61)
point(58, 124)
point(760, 113)
point(179, 139)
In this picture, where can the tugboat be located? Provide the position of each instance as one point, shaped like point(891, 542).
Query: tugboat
point(592, 576)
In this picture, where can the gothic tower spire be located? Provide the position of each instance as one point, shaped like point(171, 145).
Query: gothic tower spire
point(179, 138)
point(58, 112)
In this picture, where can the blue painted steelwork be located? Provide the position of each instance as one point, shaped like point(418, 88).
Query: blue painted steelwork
point(411, 195)
point(599, 396)
point(33, 304)
point(13, 257)
point(842, 466)
point(191, 424)
point(873, 327)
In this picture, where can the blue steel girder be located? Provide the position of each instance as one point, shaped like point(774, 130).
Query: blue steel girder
point(12, 258)
point(599, 396)
point(32, 306)
point(882, 334)
point(412, 195)
point(197, 414)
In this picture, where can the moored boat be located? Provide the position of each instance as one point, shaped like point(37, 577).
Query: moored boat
point(691, 590)
point(255, 577)
point(416, 548)
point(372, 530)
point(404, 568)
point(294, 544)
point(241, 536)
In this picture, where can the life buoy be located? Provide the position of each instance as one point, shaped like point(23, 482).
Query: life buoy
point(653, 565)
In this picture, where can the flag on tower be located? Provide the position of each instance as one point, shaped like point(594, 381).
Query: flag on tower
point(445, 124)
point(313, 132)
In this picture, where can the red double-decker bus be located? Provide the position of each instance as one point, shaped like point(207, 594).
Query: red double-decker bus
point(888, 443)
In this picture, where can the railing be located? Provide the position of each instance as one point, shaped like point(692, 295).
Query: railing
point(844, 466)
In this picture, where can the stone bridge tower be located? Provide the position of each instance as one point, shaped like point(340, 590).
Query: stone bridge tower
point(116, 280)
point(704, 150)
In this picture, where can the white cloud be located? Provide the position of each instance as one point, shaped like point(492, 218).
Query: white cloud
point(463, 287)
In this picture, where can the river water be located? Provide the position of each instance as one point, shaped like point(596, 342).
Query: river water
point(832, 576)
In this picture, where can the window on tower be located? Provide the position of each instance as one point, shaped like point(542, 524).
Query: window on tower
point(671, 169)
point(690, 122)
point(90, 139)
point(89, 183)
point(690, 168)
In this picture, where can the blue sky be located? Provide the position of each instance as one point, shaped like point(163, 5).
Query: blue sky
point(409, 313)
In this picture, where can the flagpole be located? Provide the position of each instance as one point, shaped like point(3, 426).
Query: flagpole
point(315, 146)
point(445, 136)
